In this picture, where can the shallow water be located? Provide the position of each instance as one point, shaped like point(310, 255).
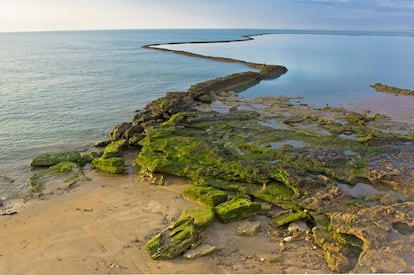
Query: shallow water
point(325, 68)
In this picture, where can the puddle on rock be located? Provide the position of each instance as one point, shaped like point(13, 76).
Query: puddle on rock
point(361, 190)
point(293, 142)
point(273, 124)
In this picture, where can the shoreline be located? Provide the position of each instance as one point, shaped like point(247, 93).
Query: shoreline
point(109, 253)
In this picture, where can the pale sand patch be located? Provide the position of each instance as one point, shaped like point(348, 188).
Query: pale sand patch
point(102, 226)
point(400, 108)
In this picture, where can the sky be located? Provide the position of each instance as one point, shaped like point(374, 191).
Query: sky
point(41, 15)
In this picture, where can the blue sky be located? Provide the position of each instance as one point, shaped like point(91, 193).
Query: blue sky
point(30, 15)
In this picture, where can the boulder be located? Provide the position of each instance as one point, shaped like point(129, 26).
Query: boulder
point(248, 228)
point(173, 241)
point(236, 209)
point(47, 159)
point(206, 195)
point(286, 217)
point(132, 131)
point(202, 215)
point(114, 149)
point(118, 130)
point(114, 165)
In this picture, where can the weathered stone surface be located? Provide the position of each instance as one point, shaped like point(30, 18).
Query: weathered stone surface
point(287, 217)
point(298, 226)
point(113, 165)
point(59, 177)
point(54, 158)
point(236, 209)
point(114, 149)
point(199, 251)
point(248, 228)
point(102, 143)
point(133, 130)
point(173, 241)
point(206, 195)
point(202, 215)
point(88, 157)
point(118, 130)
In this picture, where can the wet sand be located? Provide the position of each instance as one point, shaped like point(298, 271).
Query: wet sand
point(399, 108)
point(102, 226)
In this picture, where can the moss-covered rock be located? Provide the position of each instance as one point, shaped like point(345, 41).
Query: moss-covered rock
point(173, 241)
point(202, 215)
point(63, 176)
point(46, 160)
point(114, 165)
point(287, 217)
point(90, 156)
point(114, 149)
point(236, 209)
point(206, 195)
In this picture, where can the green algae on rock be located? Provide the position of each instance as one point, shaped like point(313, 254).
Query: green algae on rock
point(206, 195)
point(236, 209)
point(113, 165)
point(67, 172)
point(391, 90)
point(49, 159)
point(202, 215)
point(173, 240)
point(114, 149)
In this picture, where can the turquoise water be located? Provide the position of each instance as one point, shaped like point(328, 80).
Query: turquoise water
point(65, 90)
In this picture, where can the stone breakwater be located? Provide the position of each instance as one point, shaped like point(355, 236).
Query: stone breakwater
point(273, 157)
point(379, 87)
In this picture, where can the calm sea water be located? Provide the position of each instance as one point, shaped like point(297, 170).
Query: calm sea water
point(325, 67)
point(65, 90)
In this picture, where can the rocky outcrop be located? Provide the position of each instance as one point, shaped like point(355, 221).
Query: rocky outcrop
point(173, 241)
point(379, 87)
point(113, 165)
point(47, 159)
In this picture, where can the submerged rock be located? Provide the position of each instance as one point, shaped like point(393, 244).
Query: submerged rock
point(114, 165)
point(199, 251)
point(47, 159)
point(248, 228)
point(236, 209)
point(173, 241)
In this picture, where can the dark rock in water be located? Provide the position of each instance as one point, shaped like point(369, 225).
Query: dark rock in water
point(114, 165)
point(102, 143)
point(114, 149)
point(118, 130)
point(236, 209)
point(47, 160)
point(206, 195)
point(173, 240)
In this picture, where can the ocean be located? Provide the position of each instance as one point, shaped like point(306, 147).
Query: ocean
point(66, 90)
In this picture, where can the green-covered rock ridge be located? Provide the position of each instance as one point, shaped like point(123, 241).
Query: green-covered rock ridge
point(278, 158)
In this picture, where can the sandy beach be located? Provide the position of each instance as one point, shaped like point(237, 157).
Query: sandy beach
point(102, 226)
